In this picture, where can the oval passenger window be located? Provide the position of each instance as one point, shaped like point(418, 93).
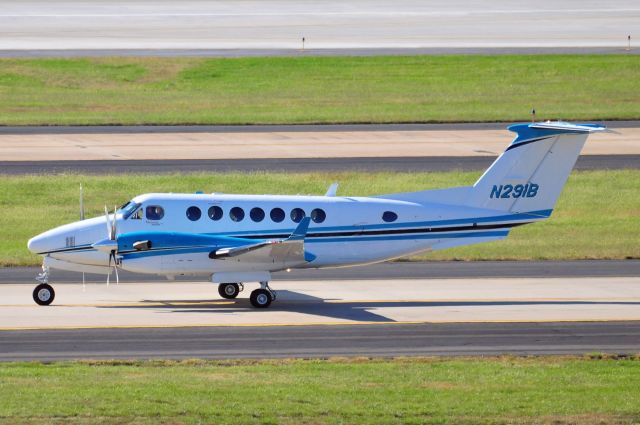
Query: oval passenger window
point(215, 213)
point(318, 215)
point(236, 214)
point(277, 215)
point(154, 212)
point(389, 216)
point(256, 214)
point(194, 213)
point(297, 214)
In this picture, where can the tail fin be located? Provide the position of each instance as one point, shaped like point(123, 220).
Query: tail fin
point(531, 172)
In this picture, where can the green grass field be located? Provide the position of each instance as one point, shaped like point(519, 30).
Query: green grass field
point(402, 391)
point(317, 89)
point(597, 217)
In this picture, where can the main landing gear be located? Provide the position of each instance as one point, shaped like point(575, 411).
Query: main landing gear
point(260, 298)
point(230, 290)
point(43, 294)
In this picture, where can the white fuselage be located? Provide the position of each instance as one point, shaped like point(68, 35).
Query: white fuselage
point(354, 230)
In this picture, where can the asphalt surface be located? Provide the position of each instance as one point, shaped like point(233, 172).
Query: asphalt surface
point(387, 340)
point(275, 128)
point(589, 162)
point(152, 26)
point(391, 270)
point(382, 339)
point(292, 165)
point(240, 53)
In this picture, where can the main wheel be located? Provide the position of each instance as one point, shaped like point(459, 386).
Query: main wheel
point(261, 298)
point(43, 294)
point(228, 290)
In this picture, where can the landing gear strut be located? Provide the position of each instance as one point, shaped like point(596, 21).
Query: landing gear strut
point(43, 294)
point(230, 290)
point(262, 298)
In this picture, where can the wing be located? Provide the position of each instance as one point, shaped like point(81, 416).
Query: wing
point(285, 253)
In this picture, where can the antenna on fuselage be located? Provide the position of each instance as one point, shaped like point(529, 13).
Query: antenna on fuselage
point(333, 189)
point(81, 202)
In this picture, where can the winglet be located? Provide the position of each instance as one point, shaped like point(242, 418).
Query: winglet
point(301, 230)
point(333, 189)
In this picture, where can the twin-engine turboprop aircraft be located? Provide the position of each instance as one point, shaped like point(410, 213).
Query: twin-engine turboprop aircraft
point(243, 238)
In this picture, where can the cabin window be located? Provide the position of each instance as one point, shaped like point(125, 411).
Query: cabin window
point(154, 212)
point(236, 214)
point(277, 215)
point(215, 213)
point(256, 214)
point(297, 214)
point(389, 216)
point(194, 213)
point(318, 215)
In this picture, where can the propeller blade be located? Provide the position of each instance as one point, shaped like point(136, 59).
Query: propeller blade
point(115, 268)
point(109, 265)
point(106, 216)
point(113, 225)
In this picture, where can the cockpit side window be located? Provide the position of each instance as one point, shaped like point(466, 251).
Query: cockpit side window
point(137, 215)
point(127, 209)
point(154, 212)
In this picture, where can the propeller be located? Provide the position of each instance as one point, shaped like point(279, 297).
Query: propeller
point(110, 244)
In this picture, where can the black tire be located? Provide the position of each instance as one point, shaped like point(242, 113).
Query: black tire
point(43, 294)
point(261, 298)
point(228, 290)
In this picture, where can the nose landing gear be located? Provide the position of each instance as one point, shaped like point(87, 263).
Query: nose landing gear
point(43, 294)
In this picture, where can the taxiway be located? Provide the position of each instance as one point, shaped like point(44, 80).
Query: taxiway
point(390, 317)
point(148, 26)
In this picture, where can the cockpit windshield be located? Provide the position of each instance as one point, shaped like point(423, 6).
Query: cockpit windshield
point(127, 209)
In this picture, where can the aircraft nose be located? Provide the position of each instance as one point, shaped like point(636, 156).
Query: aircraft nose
point(36, 244)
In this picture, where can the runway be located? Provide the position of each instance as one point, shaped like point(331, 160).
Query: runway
point(374, 317)
point(388, 270)
point(388, 309)
point(296, 52)
point(270, 128)
point(334, 148)
point(192, 25)
point(383, 340)
point(293, 165)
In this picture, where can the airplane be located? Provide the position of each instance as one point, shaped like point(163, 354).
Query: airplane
point(234, 239)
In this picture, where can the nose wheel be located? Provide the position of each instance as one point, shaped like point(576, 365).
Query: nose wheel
point(43, 294)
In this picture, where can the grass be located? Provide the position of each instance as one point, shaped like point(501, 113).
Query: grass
point(317, 89)
point(358, 391)
point(597, 216)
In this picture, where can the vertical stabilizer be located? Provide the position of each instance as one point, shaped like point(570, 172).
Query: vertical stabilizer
point(531, 172)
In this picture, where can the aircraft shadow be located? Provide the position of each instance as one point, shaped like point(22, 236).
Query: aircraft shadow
point(360, 311)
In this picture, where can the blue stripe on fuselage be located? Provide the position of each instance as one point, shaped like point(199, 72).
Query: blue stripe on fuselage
point(532, 215)
point(458, 235)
